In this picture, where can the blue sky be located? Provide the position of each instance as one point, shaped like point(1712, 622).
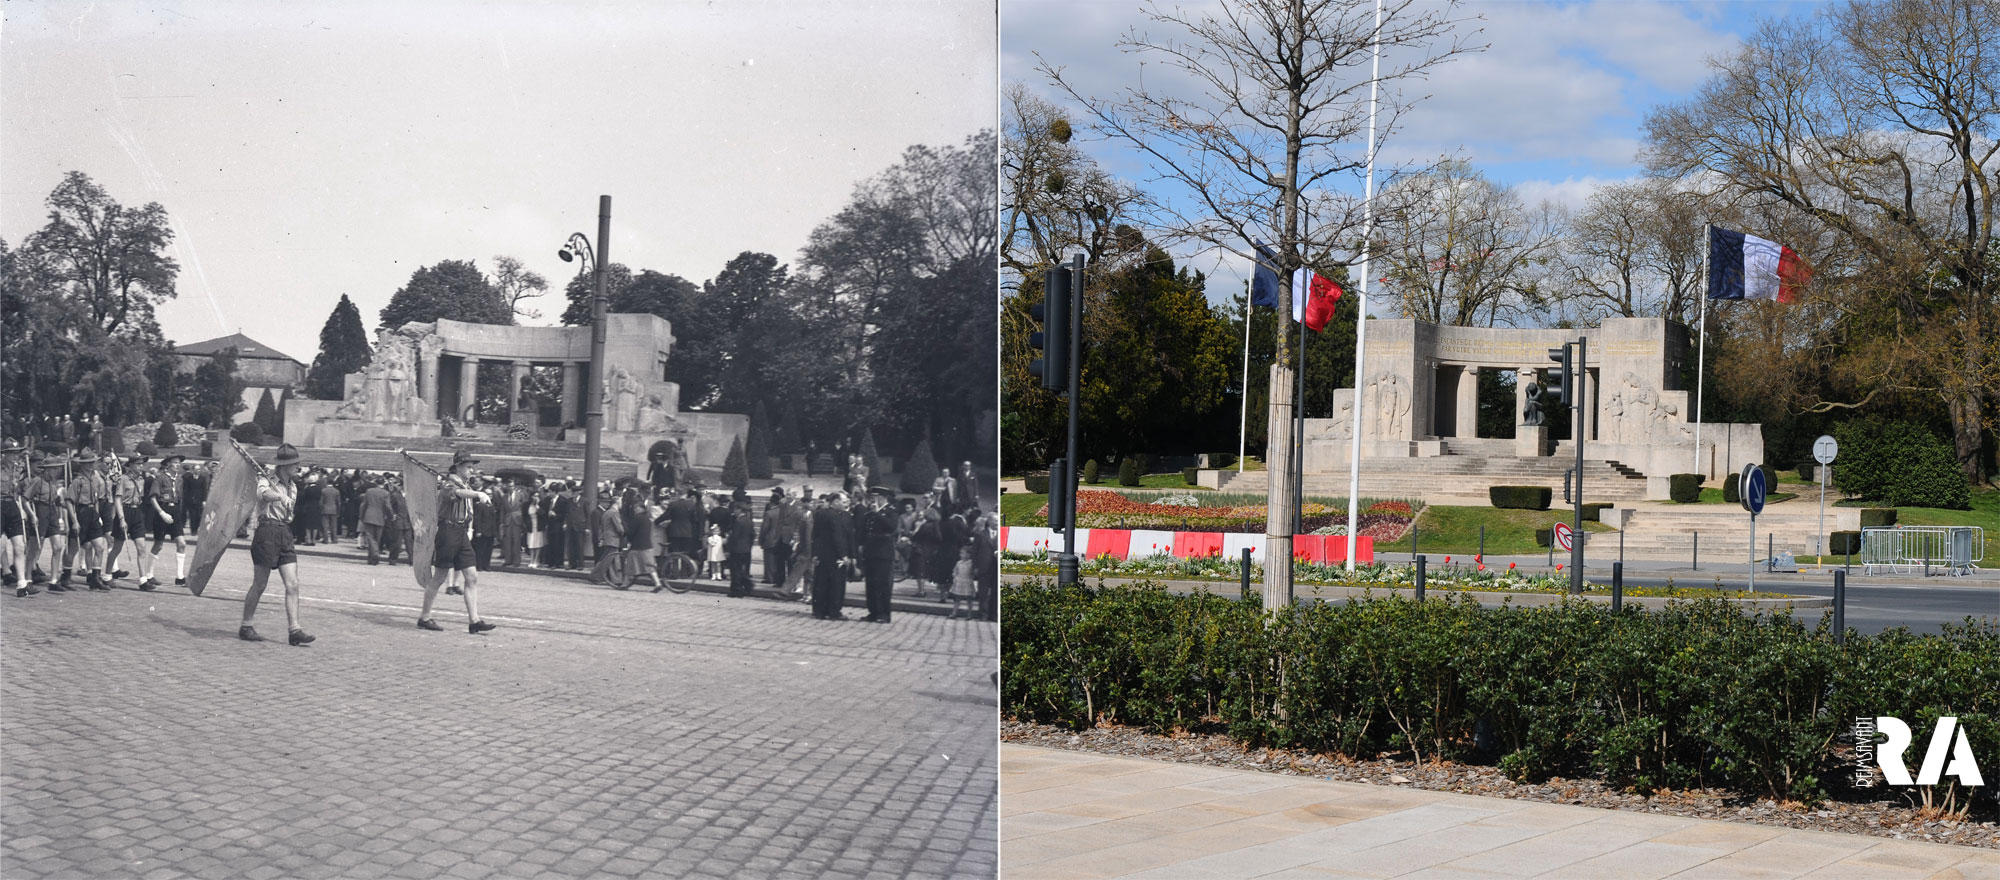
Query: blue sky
point(1555, 107)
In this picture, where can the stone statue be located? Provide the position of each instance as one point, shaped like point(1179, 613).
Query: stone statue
point(356, 406)
point(396, 363)
point(627, 387)
point(1391, 405)
point(652, 416)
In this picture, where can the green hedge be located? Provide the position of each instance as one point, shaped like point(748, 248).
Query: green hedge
point(1128, 471)
point(1520, 497)
point(1594, 510)
point(1037, 484)
point(1090, 470)
point(1806, 472)
point(1220, 460)
point(1544, 536)
point(1877, 517)
point(1843, 543)
point(1684, 488)
point(1732, 488)
point(1190, 475)
point(1692, 695)
point(1901, 464)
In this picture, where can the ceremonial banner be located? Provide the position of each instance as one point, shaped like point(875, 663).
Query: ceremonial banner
point(231, 500)
point(420, 492)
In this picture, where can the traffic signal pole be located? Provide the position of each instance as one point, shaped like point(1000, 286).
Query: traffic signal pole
point(1576, 536)
point(1066, 564)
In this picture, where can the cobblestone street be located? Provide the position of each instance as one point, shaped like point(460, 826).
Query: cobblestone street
point(595, 733)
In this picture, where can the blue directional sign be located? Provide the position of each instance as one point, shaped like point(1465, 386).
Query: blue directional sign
point(1753, 488)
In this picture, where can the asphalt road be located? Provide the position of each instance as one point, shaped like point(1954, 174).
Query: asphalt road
point(595, 733)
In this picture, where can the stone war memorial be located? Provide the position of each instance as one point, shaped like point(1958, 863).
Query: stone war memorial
point(1419, 433)
point(424, 376)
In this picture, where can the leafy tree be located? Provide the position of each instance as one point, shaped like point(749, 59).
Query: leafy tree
point(582, 286)
point(217, 392)
point(518, 284)
point(735, 473)
point(343, 349)
point(452, 289)
point(921, 470)
point(267, 418)
point(1872, 125)
point(109, 258)
point(247, 433)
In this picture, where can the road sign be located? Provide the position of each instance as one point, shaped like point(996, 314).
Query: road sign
point(1752, 484)
point(1825, 448)
point(1563, 536)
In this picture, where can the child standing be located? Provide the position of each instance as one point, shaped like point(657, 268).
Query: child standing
point(715, 555)
point(963, 585)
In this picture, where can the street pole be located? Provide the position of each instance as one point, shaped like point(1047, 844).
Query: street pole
point(1066, 564)
point(1243, 418)
point(593, 384)
point(1576, 540)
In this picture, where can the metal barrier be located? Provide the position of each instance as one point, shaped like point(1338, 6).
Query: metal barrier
point(1954, 550)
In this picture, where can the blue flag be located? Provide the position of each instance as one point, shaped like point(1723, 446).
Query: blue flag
point(1264, 282)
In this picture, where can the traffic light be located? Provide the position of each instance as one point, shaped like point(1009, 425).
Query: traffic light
point(1561, 392)
point(1062, 493)
point(1052, 314)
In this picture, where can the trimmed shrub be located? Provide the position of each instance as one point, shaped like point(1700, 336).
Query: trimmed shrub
point(1877, 517)
point(1692, 695)
point(146, 448)
point(1128, 471)
point(268, 417)
point(1684, 488)
point(1219, 460)
point(1806, 472)
point(1190, 475)
point(1594, 510)
point(735, 472)
point(1037, 484)
point(1520, 497)
point(1901, 464)
point(1090, 470)
point(1732, 488)
point(757, 454)
point(248, 434)
point(922, 469)
point(1143, 462)
point(1843, 543)
point(1544, 536)
point(166, 435)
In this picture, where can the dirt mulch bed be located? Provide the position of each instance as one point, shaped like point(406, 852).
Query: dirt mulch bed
point(1875, 818)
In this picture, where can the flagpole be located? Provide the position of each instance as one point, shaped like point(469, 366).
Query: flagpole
point(1299, 392)
point(1361, 317)
point(1701, 349)
point(1243, 420)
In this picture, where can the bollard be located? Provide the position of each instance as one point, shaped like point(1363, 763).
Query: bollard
point(1246, 574)
point(1840, 608)
point(1482, 542)
point(1420, 579)
point(1552, 548)
point(1770, 547)
point(1413, 539)
point(1617, 586)
point(1697, 551)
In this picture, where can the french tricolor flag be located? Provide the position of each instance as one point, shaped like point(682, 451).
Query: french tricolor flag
point(1744, 266)
point(1313, 296)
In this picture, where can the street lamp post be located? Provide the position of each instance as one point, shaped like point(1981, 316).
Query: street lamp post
point(593, 384)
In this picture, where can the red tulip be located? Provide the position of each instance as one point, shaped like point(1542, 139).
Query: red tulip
point(1482, 566)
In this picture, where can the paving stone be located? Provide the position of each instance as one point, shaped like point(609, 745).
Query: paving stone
point(684, 735)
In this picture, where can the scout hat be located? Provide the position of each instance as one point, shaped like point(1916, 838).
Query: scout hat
point(462, 457)
point(175, 456)
point(287, 454)
point(86, 457)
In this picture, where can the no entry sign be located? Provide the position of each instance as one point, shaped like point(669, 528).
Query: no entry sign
point(1564, 537)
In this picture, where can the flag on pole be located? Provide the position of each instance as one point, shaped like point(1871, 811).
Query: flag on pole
point(1744, 266)
point(1264, 281)
point(1313, 296)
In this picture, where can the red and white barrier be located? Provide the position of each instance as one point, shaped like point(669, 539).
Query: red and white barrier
point(1142, 543)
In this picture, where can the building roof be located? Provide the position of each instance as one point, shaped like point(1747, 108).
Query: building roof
point(244, 345)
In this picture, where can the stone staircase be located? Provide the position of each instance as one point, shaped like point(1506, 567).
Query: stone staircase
point(1667, 531)
point(483, 446)
point(1464, 476)
point(382, 456)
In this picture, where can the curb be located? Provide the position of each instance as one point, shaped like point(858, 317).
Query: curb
point(1230, 588)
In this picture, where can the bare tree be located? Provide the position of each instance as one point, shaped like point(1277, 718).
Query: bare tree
point(1877, 121)
point(1638, 249)
point(517, 285)
point(1278, 94)
point(1463, 250)
point(1057, 199)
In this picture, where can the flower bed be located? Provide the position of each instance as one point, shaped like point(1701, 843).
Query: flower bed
point(1099, 509)
point(186, 434)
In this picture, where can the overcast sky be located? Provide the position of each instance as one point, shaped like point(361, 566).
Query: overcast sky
point(1555, 107)
point(306, 150)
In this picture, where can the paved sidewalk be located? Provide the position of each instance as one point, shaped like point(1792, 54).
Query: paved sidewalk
point(595, 733)
point(1073, 815)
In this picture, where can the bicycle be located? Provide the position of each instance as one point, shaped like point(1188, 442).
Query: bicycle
point(677, 572)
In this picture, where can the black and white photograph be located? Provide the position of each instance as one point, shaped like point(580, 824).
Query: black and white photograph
point(508, 439)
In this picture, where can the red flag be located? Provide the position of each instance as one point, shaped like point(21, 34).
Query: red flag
point(1313, 296)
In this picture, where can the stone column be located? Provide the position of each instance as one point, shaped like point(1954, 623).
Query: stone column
point(427, 380)
point(468, 386)
point(1587, 386)
point(1468, 403)
point(514, 387)
point(572, 393)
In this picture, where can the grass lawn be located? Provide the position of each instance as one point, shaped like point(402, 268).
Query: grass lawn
point(1714, 496)
point(1022, 508)
point(1455, 530)
point(1985, 513)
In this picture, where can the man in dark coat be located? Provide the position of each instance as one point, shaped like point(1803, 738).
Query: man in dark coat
point(561, 507)
point(684, 524)
point(877, 529)
point(833, 546)
point(194, 495)
point(742, 537)
point(485, 526)
point(396, 532)
point(776, 537)
point(375, 513)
